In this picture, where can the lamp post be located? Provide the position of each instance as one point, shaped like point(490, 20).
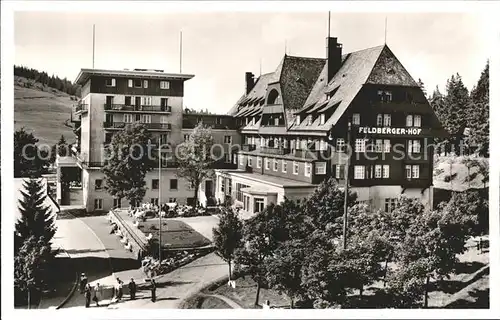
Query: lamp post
point(346, 177)
point(159, 193)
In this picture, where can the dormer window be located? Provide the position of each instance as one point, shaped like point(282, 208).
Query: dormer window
point(322, 118)
point(385, 96)
point(137, 83)
point(356, 119)
point(309, 120)
point(297, 118)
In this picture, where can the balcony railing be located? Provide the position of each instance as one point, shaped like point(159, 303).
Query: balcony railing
point(278, 151)
point(145, 108)
point(248, 147)
point(81, 108)
point(151, 126)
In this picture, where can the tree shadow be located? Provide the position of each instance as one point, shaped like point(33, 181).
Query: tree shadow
point(453, 286)
point(80, 251)
point(481, 301)
point(468, 267)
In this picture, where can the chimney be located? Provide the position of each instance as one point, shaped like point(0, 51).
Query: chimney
point(333, 56)
point(249, 81)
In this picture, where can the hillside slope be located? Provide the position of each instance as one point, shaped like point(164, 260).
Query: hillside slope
point(42, 110)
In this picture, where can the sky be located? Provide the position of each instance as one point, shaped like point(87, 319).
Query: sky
point(219, 47)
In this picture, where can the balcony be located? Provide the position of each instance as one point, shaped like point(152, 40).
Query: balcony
point(139, 109)
point(277, 151)
point(149, 126)
point(81, 108)
point(248, 147)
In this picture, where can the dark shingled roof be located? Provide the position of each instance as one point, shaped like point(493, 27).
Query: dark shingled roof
point(297, 79)
point(304, 87)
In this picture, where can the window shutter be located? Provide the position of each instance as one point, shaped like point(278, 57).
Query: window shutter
point(130, 83)
point(145, 83)
point(113, 82)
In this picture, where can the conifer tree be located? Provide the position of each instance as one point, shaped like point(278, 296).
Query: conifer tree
point(37, 219)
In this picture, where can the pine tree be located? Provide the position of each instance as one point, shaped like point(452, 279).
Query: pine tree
point(36, 219)
point(479, 113)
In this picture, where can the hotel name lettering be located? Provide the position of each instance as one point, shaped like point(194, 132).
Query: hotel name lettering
point(386, 130)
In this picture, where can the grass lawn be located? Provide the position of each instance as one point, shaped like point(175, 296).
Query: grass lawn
point(467, 288)
point(175, 233)
point(214, 303)
point(42, 113)
point(245, 291)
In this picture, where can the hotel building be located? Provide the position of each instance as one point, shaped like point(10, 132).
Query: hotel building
point(283, 137)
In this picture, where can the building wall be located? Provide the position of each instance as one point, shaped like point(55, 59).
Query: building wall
point(181, 194)
point(98, 85)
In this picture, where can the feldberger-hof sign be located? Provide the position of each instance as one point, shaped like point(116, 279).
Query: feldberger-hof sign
point(395, 131)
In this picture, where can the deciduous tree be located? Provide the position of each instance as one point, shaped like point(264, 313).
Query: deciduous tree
point(128, 158)
point(195, 158)
point(228, 235)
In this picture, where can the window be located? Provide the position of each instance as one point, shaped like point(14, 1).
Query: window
point(227, 139)
point(154, 201)
point(242, 159)
point(128, 100)
point(155, 184)
point(385, 96)
point(297, 119)
point(414, 146)
point(137, 83)
point(163, 103)
point(164, 85)
point(359, 172)
point(283, 165)
point(322, 145)
point(417, 121)
point(276, 121)
point(163, 119)
point(258, 205)
point(172, 200)
point(356, 118)
point(267, 162)
point(98, 184)
point(295, 167)
point(259, 162)
point(387, 145)
point(378, 145)
point(413, 120)
point(186, 137)
point(145, 118)
point(117, 202)
point(249, 161)
point(379, 120)
point(309, 120)
point(145, 83)
point(227, 158)
point(235, 159)
point(173, 184)
point(378, 171)
point(385, 171)
point(322, 118)
point(340, 145)
point(360, 145)
point(339, 171)
point(412, 171)
point(387, 120)
point(307, 169)
point(275, 165)
point(415, 171)
point(390, 204)
point(320, 167)
point(110, 82)
point(130, 83)
point(147, 101)
point(97, 204)
point(128, 118)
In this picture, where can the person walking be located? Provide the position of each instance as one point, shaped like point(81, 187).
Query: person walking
point(83, 282)
point(132, 288)
point(119, 294)
point(97, 294)
point(87, 295)
point(153, 290)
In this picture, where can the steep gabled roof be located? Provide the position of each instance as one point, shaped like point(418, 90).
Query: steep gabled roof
point(258, 92)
